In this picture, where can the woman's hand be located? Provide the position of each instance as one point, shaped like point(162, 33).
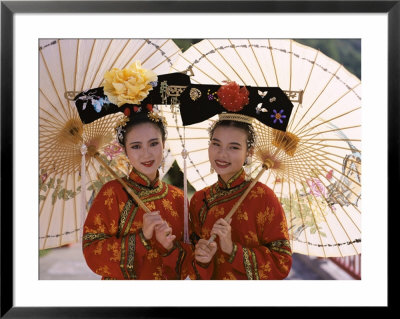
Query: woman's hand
point(222, 229)
point(204, 251)
point(150, 221)
point(164, 235)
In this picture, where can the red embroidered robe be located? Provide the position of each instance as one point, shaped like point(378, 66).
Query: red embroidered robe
point(113, 242)
point(259, 231)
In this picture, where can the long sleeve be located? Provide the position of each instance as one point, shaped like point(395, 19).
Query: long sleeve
point(176, 262)
point(110, 248)
point(197, 208)
point(263, 251)
point(261, 248)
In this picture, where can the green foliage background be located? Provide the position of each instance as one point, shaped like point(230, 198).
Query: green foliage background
point(345, 51)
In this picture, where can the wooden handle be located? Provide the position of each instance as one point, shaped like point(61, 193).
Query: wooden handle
point(128, 189)
point(237, 204)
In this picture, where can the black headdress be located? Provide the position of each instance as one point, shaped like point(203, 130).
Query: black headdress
point(269, 105)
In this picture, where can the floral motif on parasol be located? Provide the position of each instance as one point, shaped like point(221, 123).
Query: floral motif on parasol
point(68, 67)
point(316, 170)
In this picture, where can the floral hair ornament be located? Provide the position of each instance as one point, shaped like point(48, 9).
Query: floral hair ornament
point(233, 102)
point(132, 91)
point(129, 91)
point(130, 85)
point(126, 91)
point(135, 113)
point(155, 115)
point(233, 97)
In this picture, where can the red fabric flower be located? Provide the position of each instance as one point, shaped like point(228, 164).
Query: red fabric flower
point(127, 112)
point(232, 97)
point(149, 107)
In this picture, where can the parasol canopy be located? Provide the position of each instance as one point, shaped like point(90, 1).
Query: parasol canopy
point(317, 162)
point(68, 67)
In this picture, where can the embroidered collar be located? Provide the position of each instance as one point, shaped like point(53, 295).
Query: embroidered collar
point(234, 181)
point(143, 180)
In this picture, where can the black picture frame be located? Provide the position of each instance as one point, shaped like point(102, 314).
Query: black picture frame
point(9, 8)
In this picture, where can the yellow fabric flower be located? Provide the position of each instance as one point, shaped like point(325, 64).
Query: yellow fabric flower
point(130, 85)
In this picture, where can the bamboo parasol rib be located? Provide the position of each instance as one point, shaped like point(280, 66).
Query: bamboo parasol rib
point(317, 175)
point(66, 68)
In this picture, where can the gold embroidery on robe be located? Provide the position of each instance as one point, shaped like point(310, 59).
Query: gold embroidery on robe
point(90, 238)
point(122, 260)
point(284, 229)
point(109, 193)
point(136, 225)
point(247, 265)
point(151, 206)
point(257, 221)
point(283, 263)
point(221, 259)
point(129, 224)
point(229, 276)
point(255, 267)
point(103, 271)
point(124, 216)
point(98, 222)
point(115, 251)
point(151, 254)
point(99, 248)
point(251, 239)
point(131, 256)
point(113, 227)
point(270, 214)
point(261, 219)
point(265, 270)
point(282, 246)
point(167, 204)
point(175, 194)
point(116, 258)
point(218, 212)
point(158, 273)
point(241, 215)
point(256, 192)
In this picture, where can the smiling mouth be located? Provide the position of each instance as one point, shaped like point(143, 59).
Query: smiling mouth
point(222, 164)
point(148, 164)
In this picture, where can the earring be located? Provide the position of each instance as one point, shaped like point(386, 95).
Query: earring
point(163, 164)
point(247, 167)
point(212, 170)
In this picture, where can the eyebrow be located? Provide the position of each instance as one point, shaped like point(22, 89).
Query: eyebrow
point(231, 143)
point(235, 143)
point(149, 141)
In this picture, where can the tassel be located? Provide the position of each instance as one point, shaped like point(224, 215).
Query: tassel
point(163, 165)
point(83, 188)
point(185, 203)
point(247, 168)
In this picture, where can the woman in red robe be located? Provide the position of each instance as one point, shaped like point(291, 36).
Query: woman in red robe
point(254, 243)
point(120, 240)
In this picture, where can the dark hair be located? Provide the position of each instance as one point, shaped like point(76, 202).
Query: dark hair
point(140, 120)
point(248, 128)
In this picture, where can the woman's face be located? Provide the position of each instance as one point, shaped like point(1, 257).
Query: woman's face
point(228, 150)
point(144, 148)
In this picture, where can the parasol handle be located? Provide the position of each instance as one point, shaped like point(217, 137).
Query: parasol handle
point(237, 204)
point(128, 189)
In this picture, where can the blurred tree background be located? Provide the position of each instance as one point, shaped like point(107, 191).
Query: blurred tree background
point(345, 51)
